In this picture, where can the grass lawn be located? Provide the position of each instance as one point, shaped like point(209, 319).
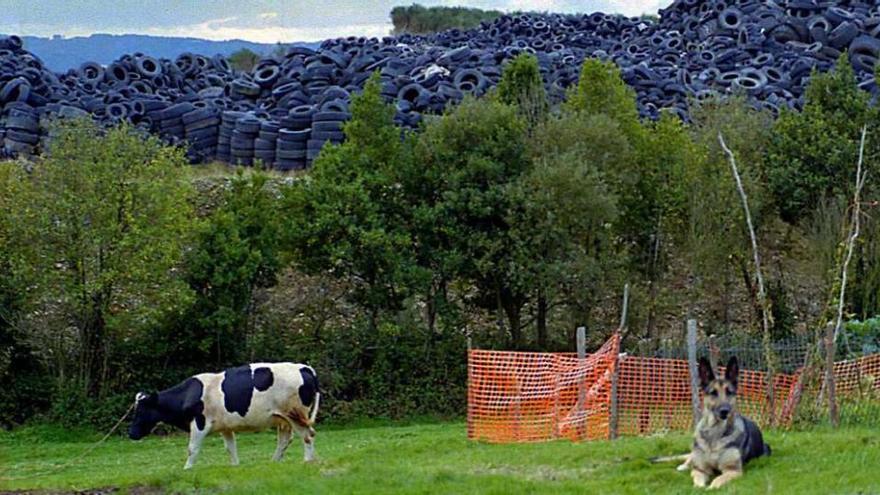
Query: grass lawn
point(429, 459)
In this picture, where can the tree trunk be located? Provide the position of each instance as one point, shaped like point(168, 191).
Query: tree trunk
point(542, 320)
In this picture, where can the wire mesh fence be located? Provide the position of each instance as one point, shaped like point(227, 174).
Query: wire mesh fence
point(528, 397)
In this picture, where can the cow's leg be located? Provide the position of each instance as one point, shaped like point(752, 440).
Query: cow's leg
point(284, 435)
point(308, 437)
point(229, 440)
point(196, 436)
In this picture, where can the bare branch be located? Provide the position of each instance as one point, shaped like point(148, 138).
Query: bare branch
point(854, 232)
point(762, 294)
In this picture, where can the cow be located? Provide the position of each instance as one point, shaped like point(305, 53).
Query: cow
point(246, 398)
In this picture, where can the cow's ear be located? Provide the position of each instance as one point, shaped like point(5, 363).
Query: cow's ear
point(706, 373)
point(731, 372)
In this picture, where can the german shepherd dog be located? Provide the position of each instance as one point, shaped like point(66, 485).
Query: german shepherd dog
point(724, 440)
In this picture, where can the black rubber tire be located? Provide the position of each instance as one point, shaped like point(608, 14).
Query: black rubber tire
point(248, 126)
point(262, 144)
point(843, 35)
point(176, 111)
point(148, 67)
point(23, 122)
point(245, 87)
point(197, 115)
point(294, 135)
point(327, 126)
point(242, 144)
point(290, 145)
point(267, 75)
point(268, 136)
point(331, 116)
point(202, 134)
point(730, 18)
point(22, 137)
point(291, 154)
point(91, 72)
point(335, 136)
point(18, 89)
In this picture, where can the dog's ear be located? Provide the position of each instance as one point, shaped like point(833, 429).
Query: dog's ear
point(706, 373)
point(732, 371)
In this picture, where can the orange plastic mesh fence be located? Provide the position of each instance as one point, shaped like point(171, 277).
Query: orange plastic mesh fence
point(532, 396)
point(535, 396)
point(857, 376)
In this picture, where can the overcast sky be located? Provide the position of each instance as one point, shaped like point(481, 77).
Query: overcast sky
point(254, 20)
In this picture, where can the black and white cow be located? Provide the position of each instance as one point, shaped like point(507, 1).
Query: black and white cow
point(247, 398)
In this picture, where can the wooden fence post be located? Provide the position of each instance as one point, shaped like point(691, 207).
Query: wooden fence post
point(582, 391)
point(614, 414)
point(692, 367)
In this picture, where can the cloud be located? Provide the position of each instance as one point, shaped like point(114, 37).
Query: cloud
point(269, 15)
point(232, 28)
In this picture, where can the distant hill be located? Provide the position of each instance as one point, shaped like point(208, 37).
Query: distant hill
point(60, 54)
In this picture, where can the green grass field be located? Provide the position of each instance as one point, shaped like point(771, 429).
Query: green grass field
point(429, 459)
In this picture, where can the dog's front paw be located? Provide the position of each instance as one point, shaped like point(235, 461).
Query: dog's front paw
point(700, 479)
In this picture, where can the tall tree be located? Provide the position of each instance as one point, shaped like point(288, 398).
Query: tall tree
point(467, 164)
point(346, 216)
point(244, 59)
point(237, 253)
point(114, 216)
point(522, 86)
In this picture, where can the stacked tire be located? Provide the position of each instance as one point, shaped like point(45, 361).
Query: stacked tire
point(291, 149)
point(224, 136)
point(171, 121)
point(265, 143)
point(246, 130)
point(326, 128)
point(202, 128)
point(22, 130)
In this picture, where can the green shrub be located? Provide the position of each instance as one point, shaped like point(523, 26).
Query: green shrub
point(813, 153)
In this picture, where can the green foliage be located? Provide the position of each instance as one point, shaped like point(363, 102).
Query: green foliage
point(522, 86)
point(562, 221)
point(863, 336)
point(113, 218)
point(715, 234)
point(601, 91)
point(813, 153)
point(244, 59)
point(237, 252)
point(345, 216)
point(467, 163)
point(26, 391)
point(416, 19)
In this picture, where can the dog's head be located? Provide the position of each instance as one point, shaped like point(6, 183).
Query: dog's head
point(719, 394)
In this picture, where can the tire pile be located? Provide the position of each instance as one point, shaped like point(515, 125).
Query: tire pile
point(282, 112)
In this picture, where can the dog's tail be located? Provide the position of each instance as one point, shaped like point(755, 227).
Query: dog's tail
point(670, 458)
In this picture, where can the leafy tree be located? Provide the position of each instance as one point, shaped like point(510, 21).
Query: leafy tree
point(417, 19)
point(25, 390)
point(460, 187)
point(346, 216)
point(237, 252)
point(714, 236)
point(813, 153)
point(521, 86)
point(601, 91)
point(244, 60)
point(561, 218)
point(113, 219)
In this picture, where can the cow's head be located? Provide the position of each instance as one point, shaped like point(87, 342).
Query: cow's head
point(146, 415)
